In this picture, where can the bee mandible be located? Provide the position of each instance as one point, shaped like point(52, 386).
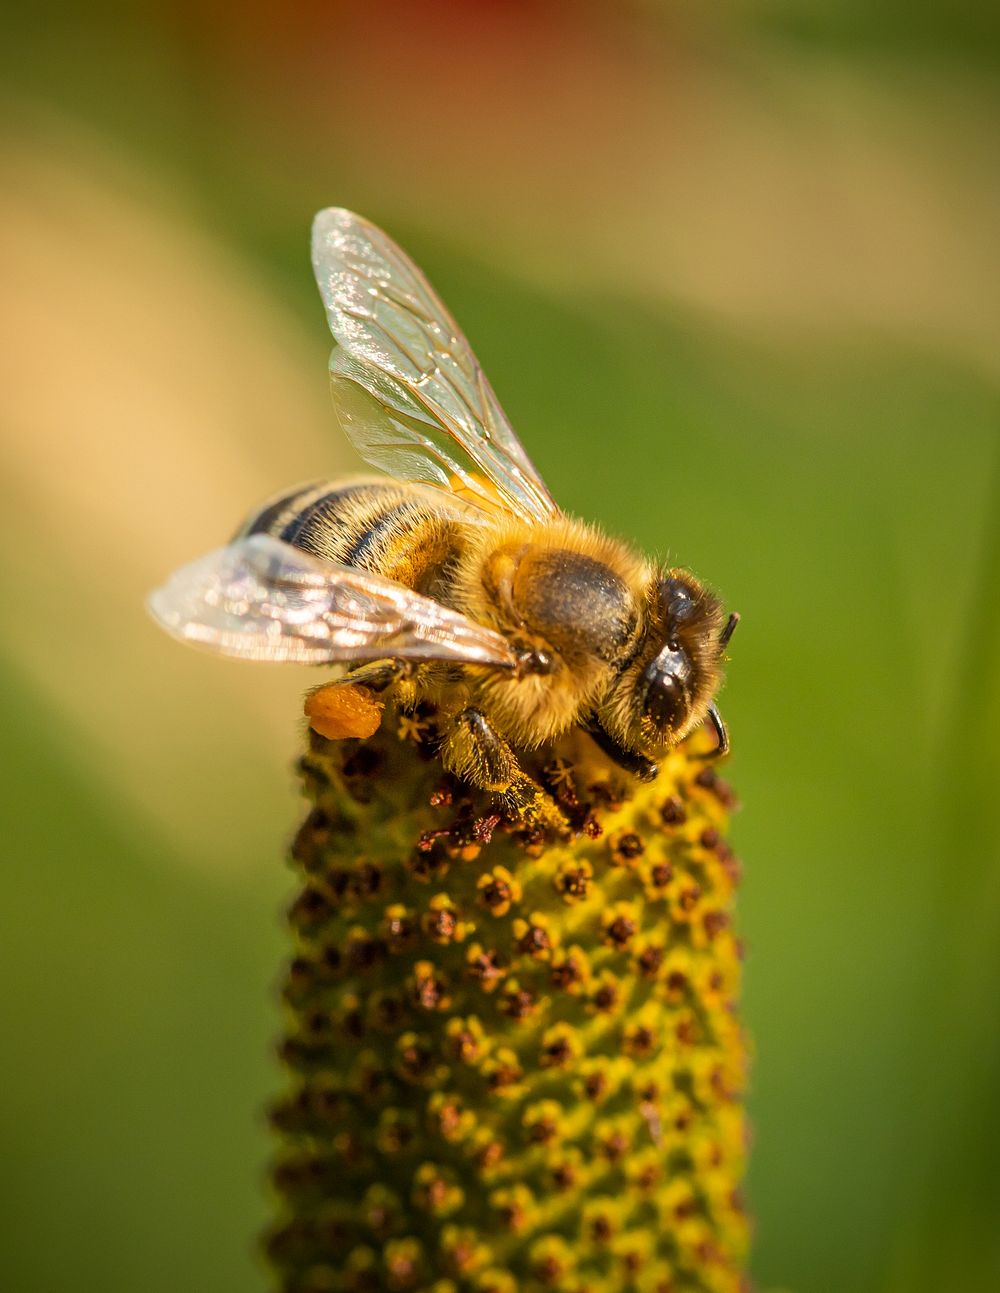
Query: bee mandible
point(458, 581)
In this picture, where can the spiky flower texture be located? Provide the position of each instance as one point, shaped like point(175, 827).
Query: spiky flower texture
point(514, 1058)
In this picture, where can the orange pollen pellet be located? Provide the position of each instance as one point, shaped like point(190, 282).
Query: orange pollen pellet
point(340, 711)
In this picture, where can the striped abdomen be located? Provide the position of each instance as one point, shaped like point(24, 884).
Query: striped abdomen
point(396, 531)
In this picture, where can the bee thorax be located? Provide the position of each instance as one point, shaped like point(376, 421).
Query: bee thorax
point(577, 604)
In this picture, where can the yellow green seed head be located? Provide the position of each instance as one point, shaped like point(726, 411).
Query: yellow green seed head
point(514, 1058)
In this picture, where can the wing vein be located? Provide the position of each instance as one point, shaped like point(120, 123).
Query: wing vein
point(408, 362)
point(262, 599)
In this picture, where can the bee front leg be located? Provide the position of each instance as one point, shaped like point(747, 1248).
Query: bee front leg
point(640, 767)
point(475, 752)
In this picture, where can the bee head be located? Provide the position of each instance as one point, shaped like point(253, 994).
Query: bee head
point(668, 688)
point(668, 680)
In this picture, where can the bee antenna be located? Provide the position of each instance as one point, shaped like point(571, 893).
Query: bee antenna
point(721, 731)
point(728, 631)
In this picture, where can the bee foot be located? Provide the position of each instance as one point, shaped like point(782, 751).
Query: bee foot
point(525, 801)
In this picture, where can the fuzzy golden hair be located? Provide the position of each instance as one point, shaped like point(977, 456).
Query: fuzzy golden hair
point(505, 580)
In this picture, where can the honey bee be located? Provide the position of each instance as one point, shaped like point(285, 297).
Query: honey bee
point(458, 581)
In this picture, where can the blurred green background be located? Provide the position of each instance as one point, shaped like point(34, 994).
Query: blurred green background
point(736, 277)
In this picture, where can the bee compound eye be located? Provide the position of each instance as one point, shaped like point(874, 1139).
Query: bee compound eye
point(666, 678)
point(664, 700)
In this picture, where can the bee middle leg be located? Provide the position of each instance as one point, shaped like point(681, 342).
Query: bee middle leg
point(475, 752)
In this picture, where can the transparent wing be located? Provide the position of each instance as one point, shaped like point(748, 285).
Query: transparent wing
point(261, 599)
point(410, 393)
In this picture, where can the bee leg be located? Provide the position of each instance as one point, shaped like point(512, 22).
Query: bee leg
point(527, 800)
point(347, 706)
point(474, 751)
point(643, 769)
point(376, 675)
point(382, 675)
